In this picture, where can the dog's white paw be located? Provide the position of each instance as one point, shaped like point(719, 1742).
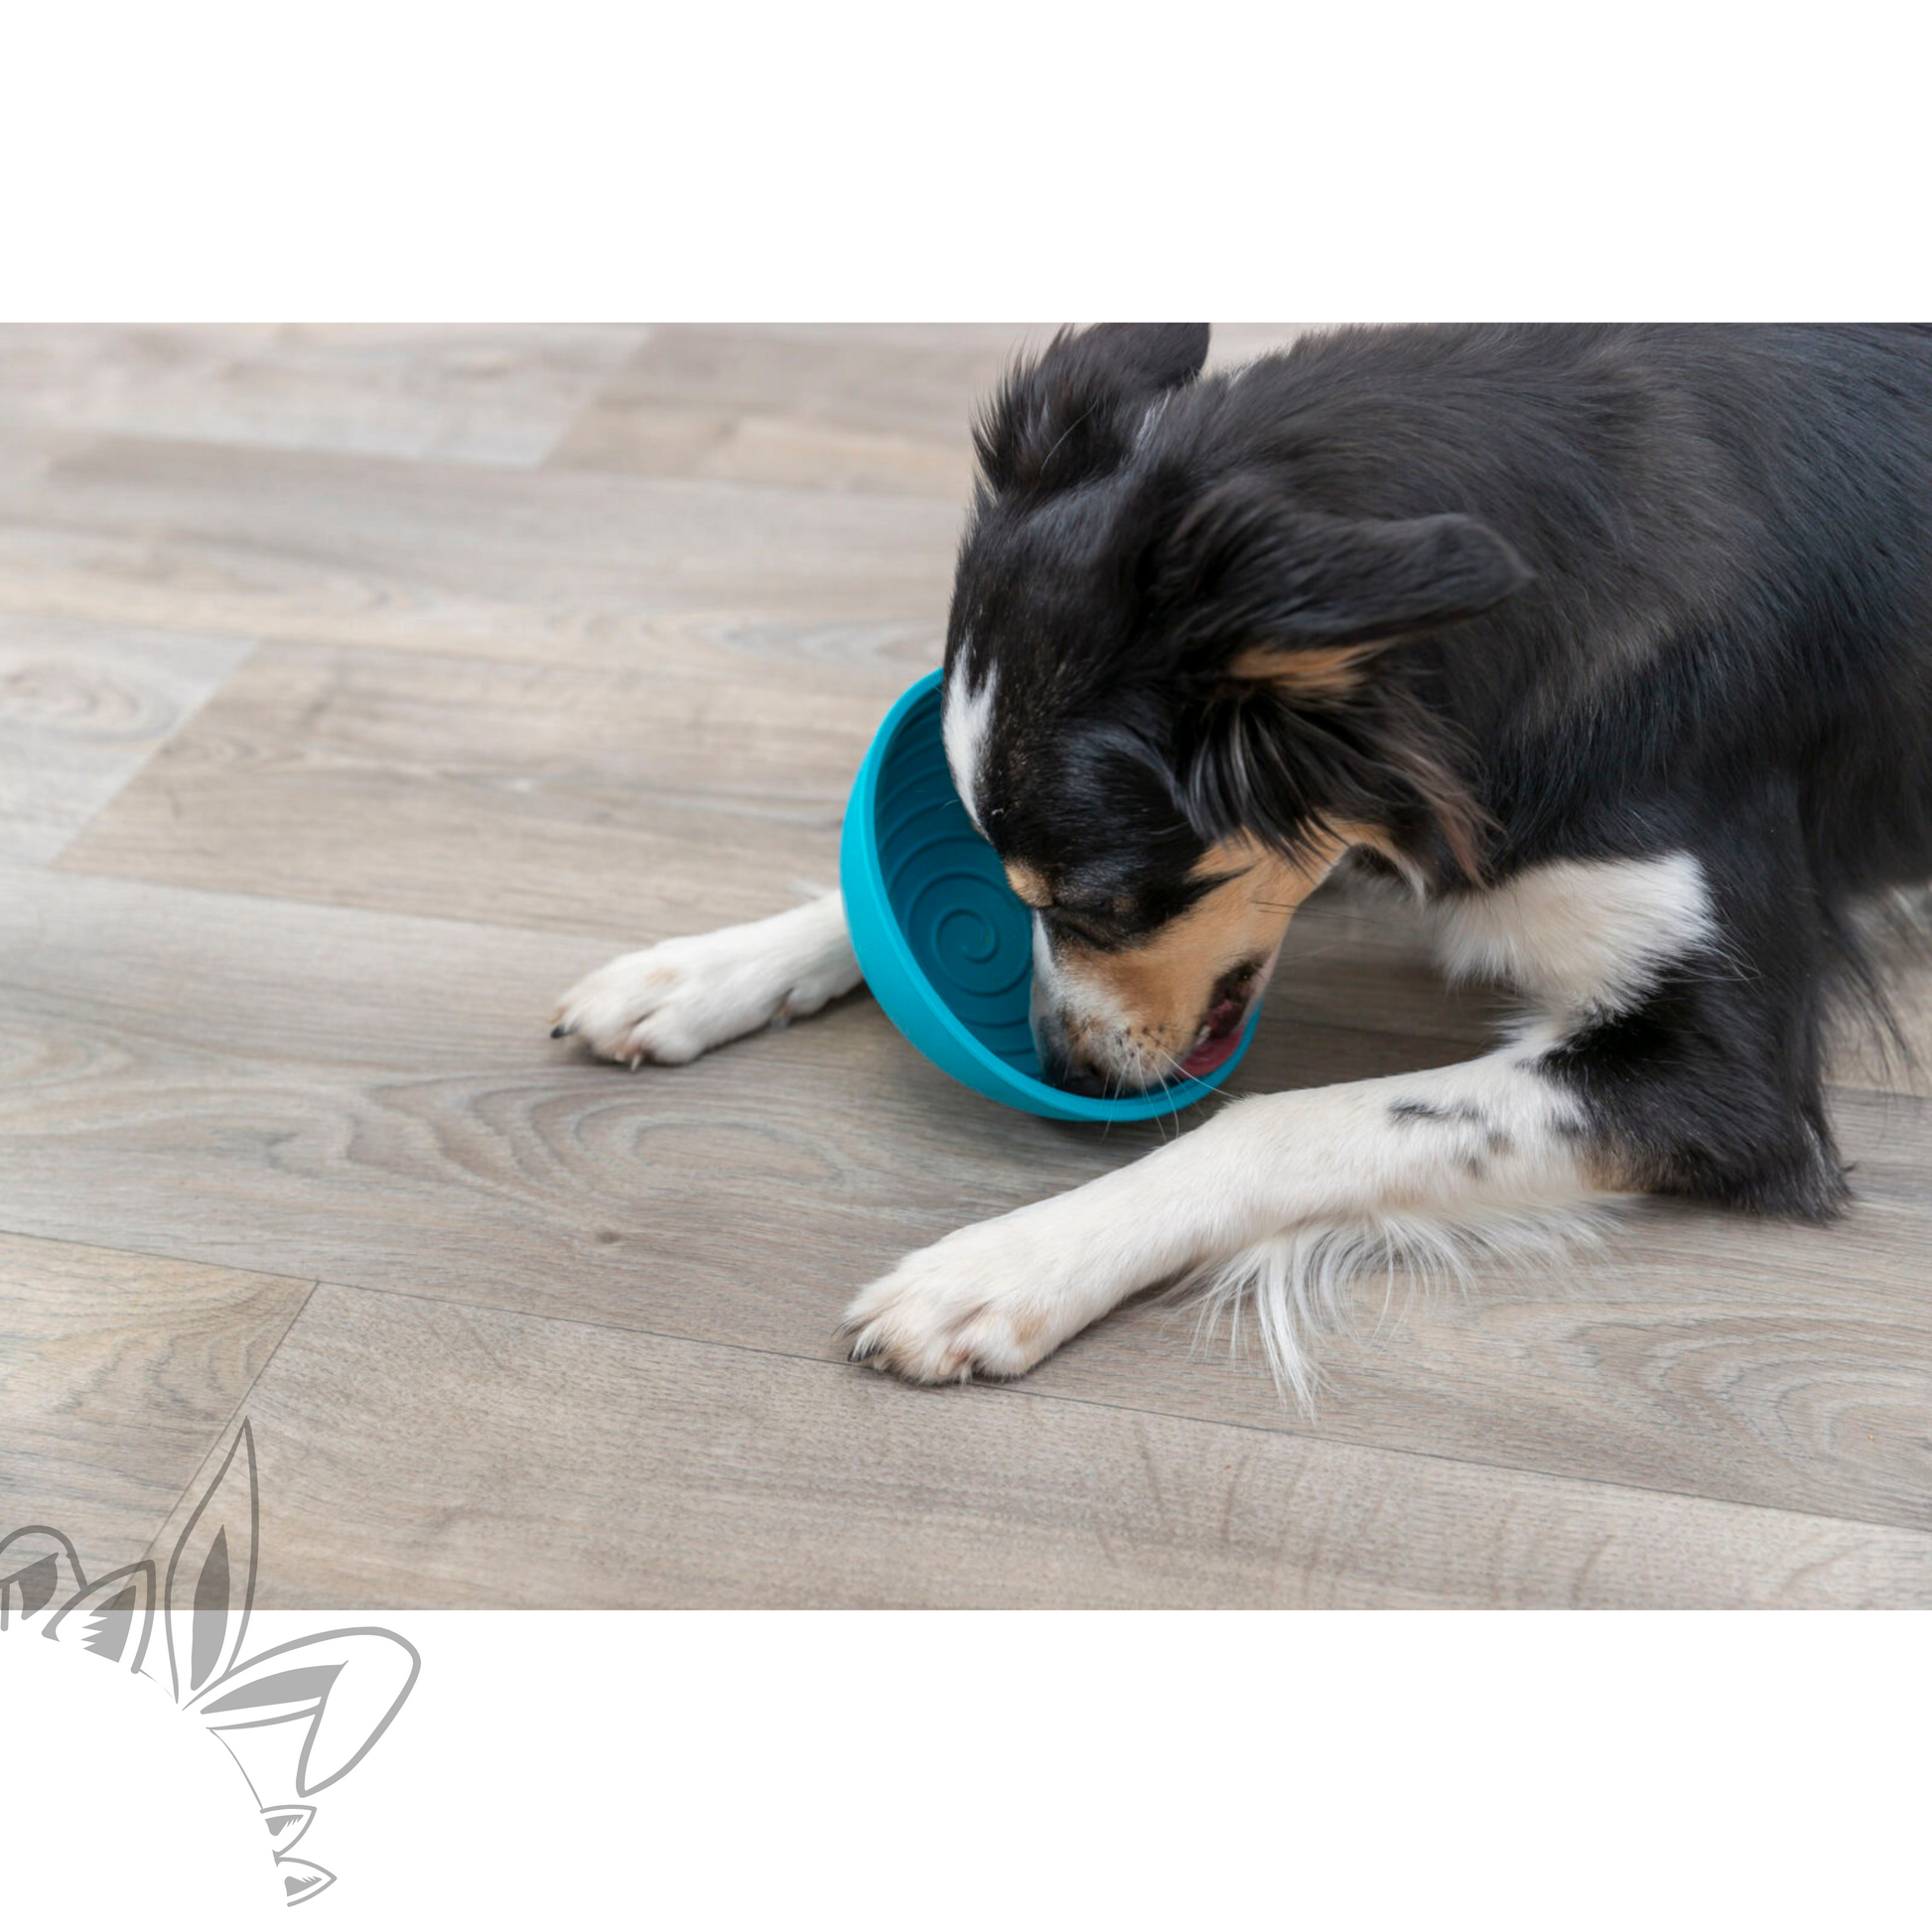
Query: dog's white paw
point(666, 1003)
point(677, 999)
point(988, 1301)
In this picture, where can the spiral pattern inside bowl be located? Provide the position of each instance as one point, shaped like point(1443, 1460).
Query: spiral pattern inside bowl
point(970, 933)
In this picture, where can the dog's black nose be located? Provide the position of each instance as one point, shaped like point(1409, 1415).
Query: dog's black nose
point(1061, 1068)
point(1081, 1080)
point(1058, 1067)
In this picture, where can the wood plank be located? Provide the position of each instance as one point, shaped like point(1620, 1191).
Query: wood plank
point(82, 707)
point(416, 1454)
point(856, 409)
point(543, 566)
point(369, 1099)
point(622, 803)
point(494, 394)
point(118, 1372)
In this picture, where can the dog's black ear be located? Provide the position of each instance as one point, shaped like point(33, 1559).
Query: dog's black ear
point(1274, 615)
point(1246, 585)
point(1069, 413)
point(1144, 355)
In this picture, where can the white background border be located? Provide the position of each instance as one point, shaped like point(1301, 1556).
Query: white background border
point(968, 160)
point(956, 1770)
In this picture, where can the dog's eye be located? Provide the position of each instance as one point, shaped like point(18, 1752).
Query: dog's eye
point(1074, 927)
point(1095, 921)
point(1103, 909)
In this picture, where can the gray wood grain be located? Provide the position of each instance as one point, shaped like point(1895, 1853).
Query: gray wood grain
point(547, 564)
point(623, 803)
point(418, 1453)
point(118, 1373)
point(848, 410)
point(369, 1099)
point(82, 708)
point(462, 394)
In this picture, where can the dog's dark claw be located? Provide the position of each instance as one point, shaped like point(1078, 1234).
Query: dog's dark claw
point(561, 1032)
point(863, 1351)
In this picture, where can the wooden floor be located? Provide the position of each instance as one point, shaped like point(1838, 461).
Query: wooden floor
point(358, 689)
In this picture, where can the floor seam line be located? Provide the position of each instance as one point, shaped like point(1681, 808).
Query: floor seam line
point(237, 1412)
point(52, 863)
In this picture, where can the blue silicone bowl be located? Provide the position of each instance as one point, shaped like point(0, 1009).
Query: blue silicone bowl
point(947, 944)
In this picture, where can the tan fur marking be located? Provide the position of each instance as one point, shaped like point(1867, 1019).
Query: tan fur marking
point(1305, 673)
point(1029, 886)
point(1162, 985)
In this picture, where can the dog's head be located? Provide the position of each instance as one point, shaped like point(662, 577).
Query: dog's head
point(1171, 703)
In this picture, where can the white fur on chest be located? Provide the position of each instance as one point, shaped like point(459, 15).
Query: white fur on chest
point(1581, 934)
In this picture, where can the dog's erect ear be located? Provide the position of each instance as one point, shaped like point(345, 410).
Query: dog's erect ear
point(1069, 414)
point(1248, 587)
point(1150, 356)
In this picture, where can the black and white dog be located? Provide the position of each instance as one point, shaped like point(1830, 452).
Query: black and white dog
point(1614, 645)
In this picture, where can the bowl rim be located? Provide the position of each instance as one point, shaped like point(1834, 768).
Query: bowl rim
point(1052, 1102)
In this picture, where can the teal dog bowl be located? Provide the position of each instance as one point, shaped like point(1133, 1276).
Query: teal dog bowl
point(945, 944)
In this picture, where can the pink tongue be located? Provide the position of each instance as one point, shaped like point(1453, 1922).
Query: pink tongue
point(1223, 1036)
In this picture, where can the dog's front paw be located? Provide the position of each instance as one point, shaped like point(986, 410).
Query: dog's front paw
point(990, 1301)
point(661, 1004)
point(681, 997)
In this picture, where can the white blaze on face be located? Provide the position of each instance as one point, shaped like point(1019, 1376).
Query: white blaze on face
point(1063, 996)
point(963, 726)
